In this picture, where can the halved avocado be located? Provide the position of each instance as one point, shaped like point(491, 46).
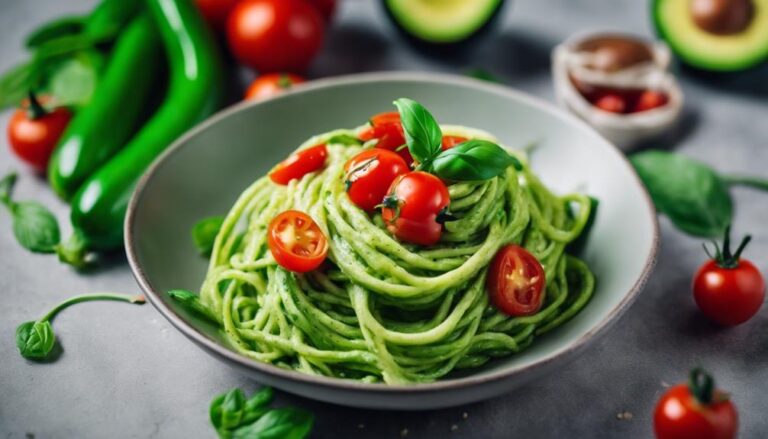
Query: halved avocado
point(442, 23)
point(734, 50)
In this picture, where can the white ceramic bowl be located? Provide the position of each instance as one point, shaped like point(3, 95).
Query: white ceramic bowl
point(205, 170)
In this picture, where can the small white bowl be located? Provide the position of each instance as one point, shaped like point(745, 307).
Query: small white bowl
point(624, 130)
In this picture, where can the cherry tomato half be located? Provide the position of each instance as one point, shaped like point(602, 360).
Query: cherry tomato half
point(413, 206)
point(369, 175)
point(451, 141)
point(271, 84)
point(649, 100)
point(33, 132)
point(391, 137)
point(216, 12)
point(516, 281)
point(729, 289)
point(680, 414)
point(612, 103)
point(385, 118)
point(296, 241)
point(299, 164)
point(275, 35)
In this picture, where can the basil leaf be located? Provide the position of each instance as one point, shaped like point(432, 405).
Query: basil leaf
point(344, 139)
point(74, 82)
point(204, 234)
point(6, 188)
point(35, 227)
point(15, 84)
point(35, 340)
point(54, 29)
point(422, 133)
point(284, 423)
point(191, 301)
point(230, 411)
point(483, 75)
point(473, 160)
point(691, 194)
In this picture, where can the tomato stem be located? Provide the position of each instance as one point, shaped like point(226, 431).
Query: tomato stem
point(701, 385)
point(724, 258)
point(36, 110)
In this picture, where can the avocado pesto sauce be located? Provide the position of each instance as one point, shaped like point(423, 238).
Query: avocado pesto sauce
point(380, 310)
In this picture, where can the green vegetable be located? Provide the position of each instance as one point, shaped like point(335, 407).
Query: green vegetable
point(191, 301)
point(35, 339)
point(473, 160)
point(34, 226)
point(74, 81)
point(204, 234)
point(234, 417)
point(93, 136)
point(483, 75)
point(54, 29)
point(345, 139)
point(99, 206)
point(690, 193)
point(422, 133)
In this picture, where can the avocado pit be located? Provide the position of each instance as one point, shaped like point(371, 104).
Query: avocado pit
point(722, 17)
point(612, 52)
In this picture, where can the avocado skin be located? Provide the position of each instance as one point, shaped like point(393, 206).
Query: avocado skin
point(458, 48)
point(709, 72)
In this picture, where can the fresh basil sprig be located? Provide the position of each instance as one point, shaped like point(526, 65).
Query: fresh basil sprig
point(235, 417)
point(36, 340)
point(204, 234)
point(472, 160)
point(693, 195)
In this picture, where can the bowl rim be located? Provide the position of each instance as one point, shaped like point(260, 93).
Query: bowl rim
point(155, 296)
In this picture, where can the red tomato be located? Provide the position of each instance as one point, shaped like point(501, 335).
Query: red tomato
point(33, 132)
point(216, 12)
point(299, 164)
point(271, 84)
point(649, 100)
point(451, 141)
point(296, 241)
point(516, 281)
point(727, 288)
point(685, 413)
point(326, 8)
point(385, 118)
point(275, 35)
point(369, 175)
point(413, 206)
point(612, 103)
point(390, 137)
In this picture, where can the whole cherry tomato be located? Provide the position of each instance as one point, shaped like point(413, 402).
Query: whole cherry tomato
point(299, 164)
point(326, 8)
point(271, 84)
point(516, 281)
point(451, 141)
point(649, 100)
point(369, 175)
point(275, 35)
point(695, 411)
point(33, 132)
point(296, 241)
point(727, 288)
point(415, 207)
point(611, 103)
point(216, 12)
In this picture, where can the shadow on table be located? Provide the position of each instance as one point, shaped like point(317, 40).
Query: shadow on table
point(352, 48)
point(751, 83)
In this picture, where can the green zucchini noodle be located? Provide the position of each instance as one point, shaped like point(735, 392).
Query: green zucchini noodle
point(382, 310)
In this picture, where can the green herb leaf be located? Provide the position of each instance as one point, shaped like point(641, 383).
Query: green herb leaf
point(691, 194)
point(204, 234)
point(54, 29)
point(6, 188)
point(35, 340)
point(231, 411)
point(191, 301)
point(483, 75)
point(15, 84)
point(422, 133)
point(35, 227)
point(74, 82)
point(344, 139)
point(284, 423)
point(473, 160)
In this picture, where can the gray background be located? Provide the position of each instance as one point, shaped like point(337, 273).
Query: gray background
point(125, 372)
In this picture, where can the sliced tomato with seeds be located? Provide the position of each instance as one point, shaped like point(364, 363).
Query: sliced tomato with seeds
point(451, 141)
point(516, 281)
point(299, 164)
point(296, 241)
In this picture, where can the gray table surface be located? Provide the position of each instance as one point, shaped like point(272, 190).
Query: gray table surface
point(125, 372)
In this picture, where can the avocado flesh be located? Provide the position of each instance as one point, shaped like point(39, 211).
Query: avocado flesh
point(442, 21)
point(699, 48)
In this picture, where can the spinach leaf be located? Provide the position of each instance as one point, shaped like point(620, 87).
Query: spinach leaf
point(191, 301)
point(473, 160)
point(691, 194)
point(204, 234)
point(35, 227)
point(422, 133)
point(284, 423)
